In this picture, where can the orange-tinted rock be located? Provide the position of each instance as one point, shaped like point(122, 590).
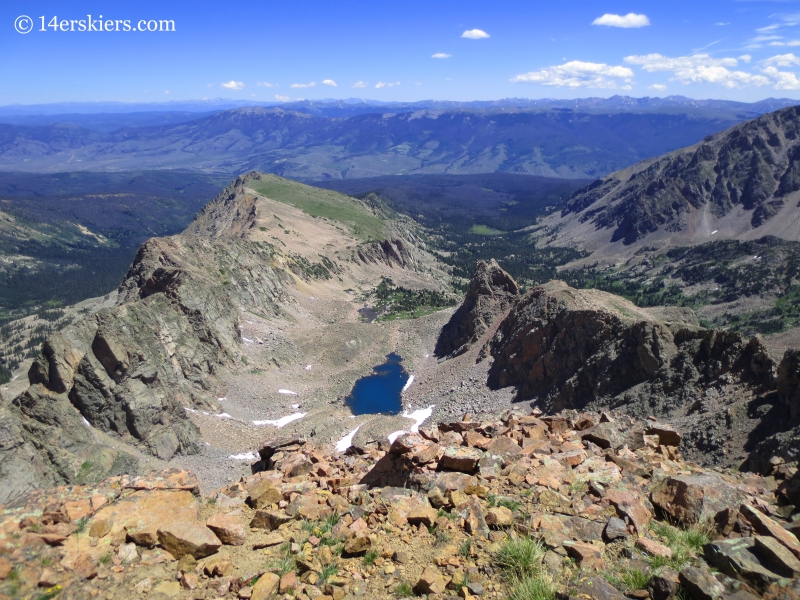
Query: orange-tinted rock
point(188, 537)
point(227, 528)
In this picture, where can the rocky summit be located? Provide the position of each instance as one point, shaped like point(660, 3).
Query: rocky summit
point(566, 504)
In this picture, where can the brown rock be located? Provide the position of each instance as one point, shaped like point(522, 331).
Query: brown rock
point(358, 544)
point(263, 494)
point(476, 440)
point(701, 584)
point(460, 459)
point(653, 548)
point(288, 582)
point(266, 585)
point(84, 567)
point(766, 526)
point(168, 479)
point(664, 584)
point(588, 556)
point(227, 528)
point(597, 588)
point(499, 516)
point(503, 446)
point(100, 528)
point(269, 519)
point(189, 581)
point(694, 499)
point(189, 537)
point(423, 514)
point(778, 556)
point(431, 582)
point(667, 434)
point(5, 567)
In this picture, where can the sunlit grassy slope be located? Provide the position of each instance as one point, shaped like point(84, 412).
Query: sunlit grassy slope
point(322, 203)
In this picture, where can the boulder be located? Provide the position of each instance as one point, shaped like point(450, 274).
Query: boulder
point(265, 587)
point(588, 556)
point(460, 459)
point(737, 559)
point(667, 434)
point(227, 528)
point(269, 519)
point(653, 548)
point(663, 584)
point(777, 556)
point(431, 582)
point(597, 588)
point(192, 538)
point(615, 529)
point(692, 499)
point(766, 526)
point(701, 584)
point(499, 516)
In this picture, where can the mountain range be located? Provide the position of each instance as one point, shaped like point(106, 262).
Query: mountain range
point(345, 140)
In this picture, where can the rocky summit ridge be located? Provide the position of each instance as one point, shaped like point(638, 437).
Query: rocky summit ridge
point(575, 505)
point(117, 387)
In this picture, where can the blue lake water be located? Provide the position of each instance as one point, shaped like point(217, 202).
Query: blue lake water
point(380, 392)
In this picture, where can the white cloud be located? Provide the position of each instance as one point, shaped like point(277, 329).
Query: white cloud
point(702, 68)
point(792, 43)
point(722, 24)
point(441, 55)
point(329, 82)
point(233, 85)
point(699, 68)
point(382, 84)
point(267, 84)
point(280, 98)
point(577, 74)
point(360, 84)
point(304, 85)
point(783, 60)
point(659, 87)
point(784, 80)
point(629, 21)
point(166, 91)
point(475, 34)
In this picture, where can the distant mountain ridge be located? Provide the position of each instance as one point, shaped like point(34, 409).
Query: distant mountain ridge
point(537, 140)
point(742, 183)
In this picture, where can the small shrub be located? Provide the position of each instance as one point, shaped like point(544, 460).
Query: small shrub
point(327, 572)
point(404, 590)
point(370, 557)
point(465, 549)
point(105, 559)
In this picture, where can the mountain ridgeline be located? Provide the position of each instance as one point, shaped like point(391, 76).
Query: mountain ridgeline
point(575, 142)
point(732, 182)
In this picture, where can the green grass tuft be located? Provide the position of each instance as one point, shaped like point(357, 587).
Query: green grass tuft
point(521, 557)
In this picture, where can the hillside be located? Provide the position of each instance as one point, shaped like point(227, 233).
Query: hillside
point(738, 184)
point(554, 142)
point(267, 279)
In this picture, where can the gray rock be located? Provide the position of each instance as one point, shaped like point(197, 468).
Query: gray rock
point(664, 584)
point(737, 559)
point(615, 529)
point(701, 584)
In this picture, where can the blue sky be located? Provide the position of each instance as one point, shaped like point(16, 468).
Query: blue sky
point(739, 50)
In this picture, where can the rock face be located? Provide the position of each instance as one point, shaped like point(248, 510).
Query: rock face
point(574, 348)
point(567, 348)
point(129, 371)
point(490, 293)
point(751, 167)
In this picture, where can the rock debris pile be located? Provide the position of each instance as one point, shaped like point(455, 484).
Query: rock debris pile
point(602, 505)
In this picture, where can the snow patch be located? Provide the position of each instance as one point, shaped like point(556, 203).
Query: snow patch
point(85, 422)
point(245, 456)
point(308, 367)
point(715, 231)
point(347, 441)
point(223, 416)
point(221, 399)
point(408, 384)
point(187, 409)
point(283, 421)
point(247, 339)
point(288, 392)
point(418, 416)
point(295, 406)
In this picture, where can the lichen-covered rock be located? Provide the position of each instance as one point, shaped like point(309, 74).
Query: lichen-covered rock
point(691, 499)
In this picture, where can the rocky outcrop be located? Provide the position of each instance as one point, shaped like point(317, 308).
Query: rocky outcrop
point(388, 252)
point(753, 167)
point(130, 371)
point(571, 348)
point(490, 293)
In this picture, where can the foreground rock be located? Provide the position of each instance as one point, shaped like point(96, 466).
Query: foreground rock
point(422, 515)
